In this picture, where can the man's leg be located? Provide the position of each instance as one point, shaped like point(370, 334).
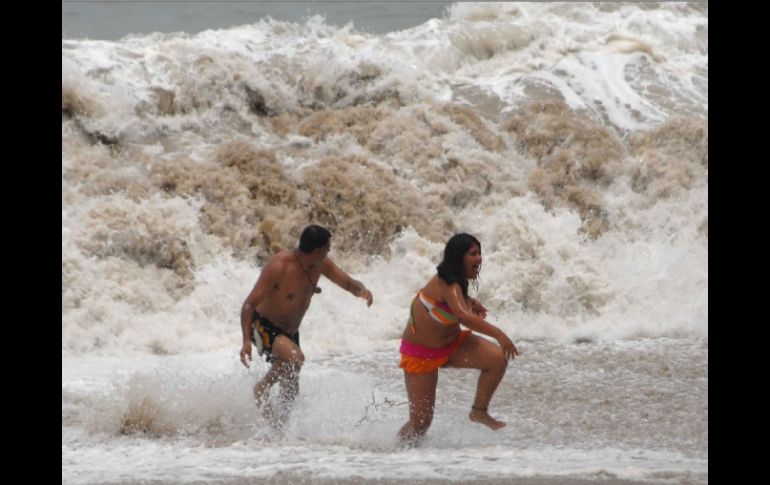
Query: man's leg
point(262, 388)
point(288, 363)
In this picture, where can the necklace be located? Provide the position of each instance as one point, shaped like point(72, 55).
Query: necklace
point(317, 289)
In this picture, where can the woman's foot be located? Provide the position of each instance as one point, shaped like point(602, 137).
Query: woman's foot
point(408, 437)
point(480, 415)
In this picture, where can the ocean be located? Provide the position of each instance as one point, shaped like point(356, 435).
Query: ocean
point(198, 138)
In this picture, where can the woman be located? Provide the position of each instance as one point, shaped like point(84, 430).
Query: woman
point(433, 339)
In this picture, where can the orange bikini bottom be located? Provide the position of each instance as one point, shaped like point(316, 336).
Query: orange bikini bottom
point(418, 359)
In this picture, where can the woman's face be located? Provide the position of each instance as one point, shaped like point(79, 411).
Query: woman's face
point(472, 262)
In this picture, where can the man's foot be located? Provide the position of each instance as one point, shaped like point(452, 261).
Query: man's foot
point(259, 392)
point(479, 415)
point(266, 410)
point(263, 406)
point(275, 417)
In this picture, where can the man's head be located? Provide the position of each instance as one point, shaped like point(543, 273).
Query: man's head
point(314, 237)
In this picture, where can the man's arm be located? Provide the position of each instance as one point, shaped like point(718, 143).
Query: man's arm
point(344, 281)
point(266, 280)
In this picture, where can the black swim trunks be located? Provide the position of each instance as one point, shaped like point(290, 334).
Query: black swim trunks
point(267, 332)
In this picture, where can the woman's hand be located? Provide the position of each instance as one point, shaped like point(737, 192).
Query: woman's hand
point(509, 349)
point(478, 308)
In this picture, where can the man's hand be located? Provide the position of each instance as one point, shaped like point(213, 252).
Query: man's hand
point(246, 352)
point(366, 295)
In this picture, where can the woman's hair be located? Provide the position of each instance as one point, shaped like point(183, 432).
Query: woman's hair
point(451, 268)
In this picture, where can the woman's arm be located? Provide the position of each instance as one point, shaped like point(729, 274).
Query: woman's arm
point(464, 312)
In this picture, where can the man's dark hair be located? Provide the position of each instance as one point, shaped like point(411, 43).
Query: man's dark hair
point(451, 268)
point(313, 237)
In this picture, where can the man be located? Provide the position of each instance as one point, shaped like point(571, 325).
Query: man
point(273, 311)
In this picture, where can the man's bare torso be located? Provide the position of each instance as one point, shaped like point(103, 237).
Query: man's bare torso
point(288, 296)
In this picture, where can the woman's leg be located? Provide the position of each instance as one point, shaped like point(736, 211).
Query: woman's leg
point(421, 389)
point(479, 353)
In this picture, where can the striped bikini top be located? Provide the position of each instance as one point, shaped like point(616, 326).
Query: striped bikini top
point(438, 310)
